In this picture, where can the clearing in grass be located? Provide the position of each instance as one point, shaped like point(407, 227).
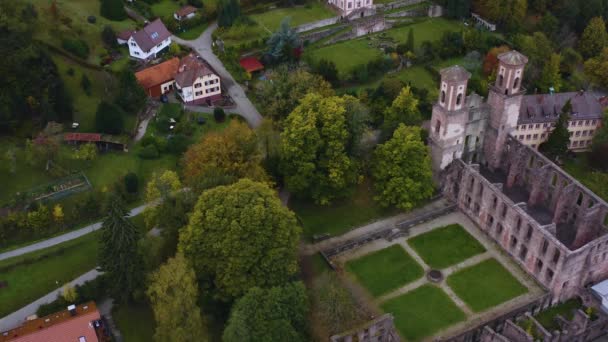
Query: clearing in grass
point(423, 312)
point(446, 246)
point(385, 270)
point(485, 285)
point(299, 15)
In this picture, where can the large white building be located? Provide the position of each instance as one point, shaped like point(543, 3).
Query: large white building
point(149, 41)
point(348, 6)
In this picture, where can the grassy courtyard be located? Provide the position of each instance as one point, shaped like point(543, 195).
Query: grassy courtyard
point(423, 312)
point(565, 309)
point(438, 254)
point(385, 270)
point(299, 15)
point(33, 275)
point(485, 285)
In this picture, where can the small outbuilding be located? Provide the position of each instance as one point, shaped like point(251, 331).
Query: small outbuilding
point(184, 13)
point(251, 64)
point(123, 37)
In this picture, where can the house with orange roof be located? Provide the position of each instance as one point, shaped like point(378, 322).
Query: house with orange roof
point(158, 79)
point(80, 323)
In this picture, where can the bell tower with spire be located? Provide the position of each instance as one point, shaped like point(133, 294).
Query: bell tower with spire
point(504, 99)
point(449, 118)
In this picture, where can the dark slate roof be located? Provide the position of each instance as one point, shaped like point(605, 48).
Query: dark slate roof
point(190, 68)
point(512, 58)
point(151, 35)
point(455, 73)
point(547, 107)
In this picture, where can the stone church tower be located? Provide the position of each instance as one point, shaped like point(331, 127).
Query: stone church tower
point(450, 116)
point(505, 98)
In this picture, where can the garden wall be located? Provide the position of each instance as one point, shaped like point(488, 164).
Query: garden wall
point(317, 24)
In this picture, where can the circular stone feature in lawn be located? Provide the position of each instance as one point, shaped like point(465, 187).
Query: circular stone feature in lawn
point(434, 276)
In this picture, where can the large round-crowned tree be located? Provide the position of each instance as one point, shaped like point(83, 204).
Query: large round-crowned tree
point(241, 236)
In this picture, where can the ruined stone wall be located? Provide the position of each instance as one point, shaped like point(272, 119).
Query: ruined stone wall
point(381, 329)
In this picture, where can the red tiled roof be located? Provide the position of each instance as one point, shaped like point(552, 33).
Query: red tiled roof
point(190, 69)
point(125, 35)
point(58, 327)
point(251, 64)
point(158, 74)
point(91, 137)
point(184, 11)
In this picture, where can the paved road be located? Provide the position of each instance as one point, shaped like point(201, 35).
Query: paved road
point(202, 45)
point(63, 238)
point(16, 318)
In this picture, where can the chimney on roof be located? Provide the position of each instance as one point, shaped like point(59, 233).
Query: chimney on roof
point(72, 310)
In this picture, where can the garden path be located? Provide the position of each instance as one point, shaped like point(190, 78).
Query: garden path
point(16, 318)
point(202, 45)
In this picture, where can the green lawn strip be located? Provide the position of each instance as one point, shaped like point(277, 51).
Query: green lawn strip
point(423, 312)
point(385, 270)
point(193, 32)
point(32, 276)
point(446, 246)
point(347, 54)
point(341, 216)
point(566, 309)
point(485, 285)
point(299, 15)
point(165, 8)
point(135, 322)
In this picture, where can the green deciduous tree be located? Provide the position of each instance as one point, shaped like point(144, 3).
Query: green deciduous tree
point(223, 158)
point(275, 314)
point(173, 294)
point(286, 90)
point(159, 188)
point(557, 143)
point(118, 253)
point(596, 68)
point(551, 75)
point(109, 118)
point(227, 12)
point(402, 169)
point(328, 70)
point(404, 109)
point(240, 236)
point(131, 96)
point(594, 38)
point(113, 10)
point(314, 149)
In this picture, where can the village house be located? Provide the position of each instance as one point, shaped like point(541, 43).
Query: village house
point(196, 82)
point(149, 41)
point(80, 323)
point(184, 13)
point(158, 79)
point(122, 38)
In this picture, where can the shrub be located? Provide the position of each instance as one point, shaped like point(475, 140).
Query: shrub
point(109, 36)
point(77, 47)
point(109, 118)
point(219, 115)
point(177, 144)
point(131, 182)
point(149, 152)
point(196, 3)
point(91, 19)
point(113, 9)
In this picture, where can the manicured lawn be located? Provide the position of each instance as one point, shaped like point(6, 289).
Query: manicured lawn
point(385, 270)
point(485, 285)
point(193, 33)
point(423, 312)
point(341, 216)
point(135, 322)
point(299, 15)
point(446, 246)
point(416, 76)
point(425, 30)
point(47, 270)
point(165, 8)
point(565, 309)
point(596, 181)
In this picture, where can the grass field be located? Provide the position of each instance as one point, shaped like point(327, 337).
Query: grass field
point(422, 312)
point(566, 310)
point(341, 216)
point(385, 270)
point(438, 254)
point(35, 274)
point(165, 8)
point(485, 285)
point(193, 33)
point(135, 322)
point(271, 20)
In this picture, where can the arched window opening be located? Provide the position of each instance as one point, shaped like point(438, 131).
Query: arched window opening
point(458, 99)
point(516, 83)
point(437, 126)
point(500, 80)
point(443, 96)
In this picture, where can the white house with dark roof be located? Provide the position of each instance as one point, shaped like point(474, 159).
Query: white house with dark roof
point(149, 41)
point(196, 82)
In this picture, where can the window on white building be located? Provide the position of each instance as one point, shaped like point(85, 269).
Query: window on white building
point(535, 136)
point(133, 44)
point(528, 137)
point(137, 53)
point(197, 85)
point(198, 93)
point(537, 126)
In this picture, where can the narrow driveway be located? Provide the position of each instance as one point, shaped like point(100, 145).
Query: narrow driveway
point(16, 318)
point(202, 45)
point(65, 237)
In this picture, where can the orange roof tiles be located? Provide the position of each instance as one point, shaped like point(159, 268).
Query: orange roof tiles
point(158, 74)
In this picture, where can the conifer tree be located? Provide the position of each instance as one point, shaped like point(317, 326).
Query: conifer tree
point(557, 143)
point(118, 252)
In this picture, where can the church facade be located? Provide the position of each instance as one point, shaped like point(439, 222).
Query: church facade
point(550, 224)
point(346, 7)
